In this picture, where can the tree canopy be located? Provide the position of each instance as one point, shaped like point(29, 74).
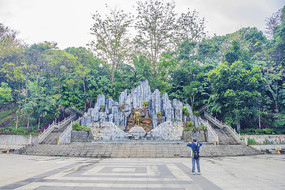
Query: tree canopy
point(240, 75)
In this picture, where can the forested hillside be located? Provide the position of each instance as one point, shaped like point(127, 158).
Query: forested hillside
point(240, 75)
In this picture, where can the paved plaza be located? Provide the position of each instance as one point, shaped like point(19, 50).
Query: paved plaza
point(59, 173)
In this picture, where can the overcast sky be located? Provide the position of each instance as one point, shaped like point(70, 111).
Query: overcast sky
point(68, 22)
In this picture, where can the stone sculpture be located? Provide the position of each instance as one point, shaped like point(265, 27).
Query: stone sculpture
point(119, 112)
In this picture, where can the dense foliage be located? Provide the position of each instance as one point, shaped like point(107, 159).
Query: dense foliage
point(241, 75)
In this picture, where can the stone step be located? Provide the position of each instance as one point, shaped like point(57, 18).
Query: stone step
point(135, 150)
point(53, 137)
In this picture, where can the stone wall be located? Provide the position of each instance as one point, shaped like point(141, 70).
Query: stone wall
point(16, 141)
point(81, 136)
point(266, 139)
point(201, 136)
point(268, 147)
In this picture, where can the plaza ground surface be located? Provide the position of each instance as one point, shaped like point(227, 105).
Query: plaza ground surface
point(48, 173)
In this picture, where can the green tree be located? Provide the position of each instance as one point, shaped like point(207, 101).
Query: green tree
point(235, 91)
point(190, 27)
point(188, 83)
point(155, 24)
point(10, 46)
point(111, 42)
point(5, 94)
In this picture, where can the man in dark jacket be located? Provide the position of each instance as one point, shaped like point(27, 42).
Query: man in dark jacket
point(195, 146)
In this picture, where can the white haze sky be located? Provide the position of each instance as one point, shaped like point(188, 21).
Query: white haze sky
point(68, 22)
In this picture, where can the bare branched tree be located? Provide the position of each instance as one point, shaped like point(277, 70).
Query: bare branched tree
point(272, 22)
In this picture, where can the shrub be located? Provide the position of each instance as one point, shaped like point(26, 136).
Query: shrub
point(196, 113)
point(202, 127)
point(189, 124)
point(159, 113)
point(187, 113)
point(77, 127)
point(184, 108)
point(251, 142)
point(189, 129)
point(145, 103)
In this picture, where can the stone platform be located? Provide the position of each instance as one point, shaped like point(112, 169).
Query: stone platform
point(262, 172)
point(135, 149)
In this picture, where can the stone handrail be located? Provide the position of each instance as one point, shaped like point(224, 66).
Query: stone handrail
point(234, 133)
point(214, 120)
point(222, 125)
point(66, 120)
point(65, 136)
point(46, 132)
point(211, 131)
point(203, 108)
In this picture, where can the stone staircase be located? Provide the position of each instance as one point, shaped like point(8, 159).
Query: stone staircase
point(135, 149)
point(226, 135)
point(53, 136)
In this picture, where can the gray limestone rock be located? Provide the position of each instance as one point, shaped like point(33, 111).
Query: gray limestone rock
point(155, 103)
point(115, 111)
point(137, 132)
point(107, 131)
point(189, 109)
point(118, 112)
point(166, 107)
point(90, 111)
point(140, 94)
point(108, 106)
point(195, 120)
point(121, 118)
point(123, 97)
point(102, 116)
point(168, 131)
point(110, 118)
point(85, 120)
point(177, 105)
point(127, 107)
point(154, 121)
point(100, 101)
point(95, 114)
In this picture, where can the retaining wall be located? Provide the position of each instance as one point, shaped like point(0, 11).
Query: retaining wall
point(201, 136)
point(16, 141)
point(266, 139)
point(81, 136)
point(268, 146)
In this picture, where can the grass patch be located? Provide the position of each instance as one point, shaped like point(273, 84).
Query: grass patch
point(6, 114)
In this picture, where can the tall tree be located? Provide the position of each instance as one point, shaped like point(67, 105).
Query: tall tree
point(235, 91)
point(111, 42)
point(272, 22)
point(155, 24)
point(10, 46)
point(190, 27)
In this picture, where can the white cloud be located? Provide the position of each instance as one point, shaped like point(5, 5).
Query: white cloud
point(68, 22)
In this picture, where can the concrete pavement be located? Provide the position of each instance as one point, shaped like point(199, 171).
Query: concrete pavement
point(59, 173)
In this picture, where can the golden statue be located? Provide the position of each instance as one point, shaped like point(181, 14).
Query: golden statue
point(137, 117)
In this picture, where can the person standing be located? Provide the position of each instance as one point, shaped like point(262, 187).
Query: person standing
point(195, 146)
